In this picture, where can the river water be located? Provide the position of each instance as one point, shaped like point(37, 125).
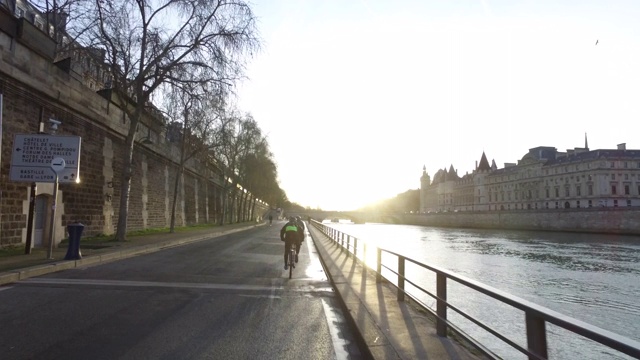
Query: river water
point(592, 278)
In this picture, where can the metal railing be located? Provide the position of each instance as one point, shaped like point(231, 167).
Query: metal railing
point(536, 316)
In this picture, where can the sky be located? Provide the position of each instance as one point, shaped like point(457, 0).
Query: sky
point(356, 96)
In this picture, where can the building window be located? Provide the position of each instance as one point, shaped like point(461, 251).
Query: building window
point(613, 176)
point(628, 202)
point(590, 203)
point(557, 205)
point(614, 190)
point(547, 192)
point(615, 203)
point(578, 192)
point(566, 191)
point(627, 190)
point(626, 165)
point(590, 189)
point(613, 164)
point(578, 203)
point(557, 192)
point(626, 176)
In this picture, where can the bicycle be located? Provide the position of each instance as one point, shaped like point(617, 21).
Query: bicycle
point(292, 260)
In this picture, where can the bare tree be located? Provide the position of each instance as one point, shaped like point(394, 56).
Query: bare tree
point(148, 43)
point(237, 140)
point(199, 114)
point(259, 174)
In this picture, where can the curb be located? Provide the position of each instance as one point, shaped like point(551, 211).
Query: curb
point(372, 340)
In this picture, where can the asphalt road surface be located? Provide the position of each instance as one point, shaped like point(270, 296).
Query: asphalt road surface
point(224, 298)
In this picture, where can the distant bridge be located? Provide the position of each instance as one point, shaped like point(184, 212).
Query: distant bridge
point(358, 217)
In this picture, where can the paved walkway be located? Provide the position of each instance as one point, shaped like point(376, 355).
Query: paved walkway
point(388, 328)
point(19, 267)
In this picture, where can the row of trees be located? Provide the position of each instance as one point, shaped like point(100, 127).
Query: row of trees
point(408, 201)
point(181, 57)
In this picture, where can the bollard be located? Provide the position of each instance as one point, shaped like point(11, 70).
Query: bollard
point(75, 232)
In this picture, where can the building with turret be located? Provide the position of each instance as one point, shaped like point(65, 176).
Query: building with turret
point(544, 178)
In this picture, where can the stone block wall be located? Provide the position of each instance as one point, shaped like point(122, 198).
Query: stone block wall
point(35, 90)
point(610, 220)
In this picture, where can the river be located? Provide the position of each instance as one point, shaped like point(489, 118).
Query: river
point(589, 277)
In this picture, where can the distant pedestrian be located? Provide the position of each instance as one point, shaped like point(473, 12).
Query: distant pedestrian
point(270, 219)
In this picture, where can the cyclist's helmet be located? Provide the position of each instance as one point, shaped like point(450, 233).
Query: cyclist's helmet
point(291, 218)
point(298, 218)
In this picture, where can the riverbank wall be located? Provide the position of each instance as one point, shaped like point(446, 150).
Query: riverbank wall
point(609, 220)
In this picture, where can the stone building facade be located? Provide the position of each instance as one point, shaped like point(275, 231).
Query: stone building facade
point(35, 89)
point(544, 178)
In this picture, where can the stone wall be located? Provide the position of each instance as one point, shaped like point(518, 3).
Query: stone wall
point(611, 220)
point(35, 90)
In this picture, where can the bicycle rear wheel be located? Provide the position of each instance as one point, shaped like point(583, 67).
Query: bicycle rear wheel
point(291, 263)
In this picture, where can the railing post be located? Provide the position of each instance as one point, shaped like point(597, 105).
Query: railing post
point(400, 278)
point(364, 257)
point(355, 248)
point(441, 304)
point(536, 335)
point(378, 264)
point(348, 241)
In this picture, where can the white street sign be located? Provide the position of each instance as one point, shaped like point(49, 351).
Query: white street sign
point(58, 164)
point(33, 157)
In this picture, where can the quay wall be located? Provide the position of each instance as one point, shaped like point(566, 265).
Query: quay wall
point(610, 220)
point(34, 89)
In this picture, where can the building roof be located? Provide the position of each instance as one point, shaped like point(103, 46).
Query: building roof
point(595, 154)
point(484, 163)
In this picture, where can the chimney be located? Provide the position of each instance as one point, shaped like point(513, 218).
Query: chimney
point(622, 146)
point(476, 164)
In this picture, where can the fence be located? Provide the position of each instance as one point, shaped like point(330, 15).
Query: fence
point(536, 317)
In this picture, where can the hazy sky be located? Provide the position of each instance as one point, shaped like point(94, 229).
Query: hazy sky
point(356, 96)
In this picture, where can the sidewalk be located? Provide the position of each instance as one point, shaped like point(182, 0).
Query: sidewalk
point(389, 328)
point(19, 267)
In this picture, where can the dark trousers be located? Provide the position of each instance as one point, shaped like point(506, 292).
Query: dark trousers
point(287, 247)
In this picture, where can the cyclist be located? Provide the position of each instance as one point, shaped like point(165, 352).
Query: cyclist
point(300, 225)
point(290, 235)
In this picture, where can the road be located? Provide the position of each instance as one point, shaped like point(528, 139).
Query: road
point(224, 298)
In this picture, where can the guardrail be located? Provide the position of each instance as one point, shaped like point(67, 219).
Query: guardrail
point(536, 316)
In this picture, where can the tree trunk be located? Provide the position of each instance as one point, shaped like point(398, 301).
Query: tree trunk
point(175, 199)
point(223, 207)
point(125, 187)
point(252, 209)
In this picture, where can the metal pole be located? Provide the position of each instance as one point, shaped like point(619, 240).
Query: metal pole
point(364, 257)
point(32, 203)
point(52, 227)
point(536, 336)
point(378, 264)
point(400, 278)
point(441, 305)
